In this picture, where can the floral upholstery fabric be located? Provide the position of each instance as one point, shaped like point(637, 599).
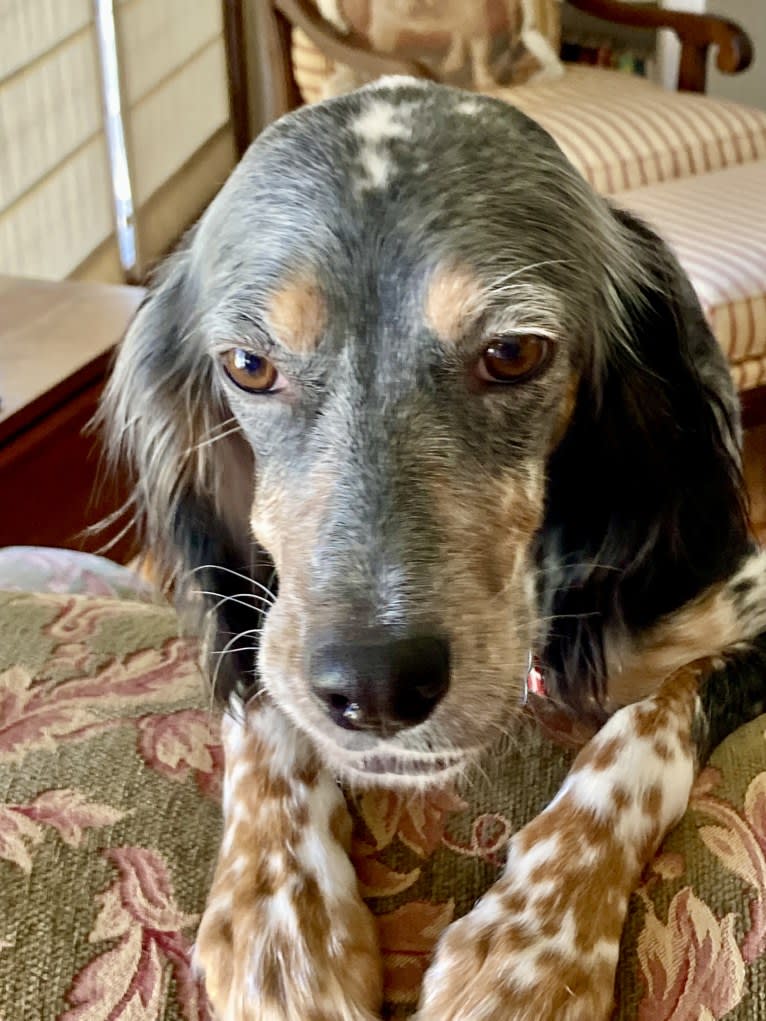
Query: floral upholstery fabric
point(109, 824)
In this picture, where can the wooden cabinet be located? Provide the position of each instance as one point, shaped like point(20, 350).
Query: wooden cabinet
point(56, 344)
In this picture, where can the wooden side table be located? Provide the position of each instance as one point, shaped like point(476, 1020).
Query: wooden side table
point(56, 344)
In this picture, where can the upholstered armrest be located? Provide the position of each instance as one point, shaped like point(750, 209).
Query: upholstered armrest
point(697, 33)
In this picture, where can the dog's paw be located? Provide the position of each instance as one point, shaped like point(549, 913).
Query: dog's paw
point(508, 960)
point(543, 944)
point(288, 955)
point(285, 935)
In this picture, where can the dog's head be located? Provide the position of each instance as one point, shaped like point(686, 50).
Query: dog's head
point(412, 381)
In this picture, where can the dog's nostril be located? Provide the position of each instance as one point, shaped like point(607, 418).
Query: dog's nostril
point(343, 710)
point(381, 686)
point(430, 689)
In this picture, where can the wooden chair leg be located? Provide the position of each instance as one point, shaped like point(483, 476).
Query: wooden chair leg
point(236, 64)
point(279, 88)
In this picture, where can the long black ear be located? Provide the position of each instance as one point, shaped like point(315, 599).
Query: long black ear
point(167, 420)
point(646, 503)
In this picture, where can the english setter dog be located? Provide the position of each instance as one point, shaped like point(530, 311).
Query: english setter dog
point(443, 408)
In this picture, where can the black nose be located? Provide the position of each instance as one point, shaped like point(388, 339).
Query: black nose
point(381, 686)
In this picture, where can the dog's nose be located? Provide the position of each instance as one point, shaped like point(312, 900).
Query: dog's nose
point(382, 686)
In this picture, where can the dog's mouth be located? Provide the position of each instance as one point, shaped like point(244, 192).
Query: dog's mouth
point(393, 767)
point(416, 758)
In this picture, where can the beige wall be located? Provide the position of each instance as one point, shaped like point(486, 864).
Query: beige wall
point(750, 86)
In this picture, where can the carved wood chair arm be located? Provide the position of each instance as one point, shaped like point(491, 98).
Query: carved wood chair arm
point(697, 33)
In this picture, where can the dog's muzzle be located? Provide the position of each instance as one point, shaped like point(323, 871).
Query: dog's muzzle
point(381, 686)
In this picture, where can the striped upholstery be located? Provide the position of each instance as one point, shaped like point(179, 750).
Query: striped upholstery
point(716, 223)
point(620, 130)
point(623, 131)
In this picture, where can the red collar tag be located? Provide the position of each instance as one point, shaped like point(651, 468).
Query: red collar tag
point(535, 682)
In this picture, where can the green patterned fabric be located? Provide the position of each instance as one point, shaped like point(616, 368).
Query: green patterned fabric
point(109, 823)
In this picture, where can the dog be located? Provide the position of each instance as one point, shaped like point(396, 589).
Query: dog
point(411, 404)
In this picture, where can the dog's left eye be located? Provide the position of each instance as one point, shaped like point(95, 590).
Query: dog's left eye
point(250, 372)
point(513, 358)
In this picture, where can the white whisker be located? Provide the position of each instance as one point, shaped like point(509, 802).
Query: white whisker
point(210, 440)
point(239, 598)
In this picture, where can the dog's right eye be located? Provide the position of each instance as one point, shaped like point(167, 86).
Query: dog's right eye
point(251, 372)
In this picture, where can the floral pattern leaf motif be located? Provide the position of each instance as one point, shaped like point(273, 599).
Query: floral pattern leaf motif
point(738, 843)
point(69, 812)
point(422, 822)
point(5, 944)
point(668, 865)
point(728, 845)
point(380, 810)
point(113, 919)
point(15, 690)
point(755, 808)
point(378, 880)
point(79, 618)
point(39, 716)
point(65, 810)
point(146, 889)
point(754, 944)
point(707, 780)
point(418, 819)
point(692, 967)
point(408, 937)
point(128, 981)
point(734, 842)
point(490, 833)
point(182, 742)
point(16, 834)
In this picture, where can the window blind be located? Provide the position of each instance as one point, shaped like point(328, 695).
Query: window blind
point(55, 202)
point(57, 214)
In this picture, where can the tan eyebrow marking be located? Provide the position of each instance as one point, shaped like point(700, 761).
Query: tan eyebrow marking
point(565, 411)
point(454, 295)
point(297, 313)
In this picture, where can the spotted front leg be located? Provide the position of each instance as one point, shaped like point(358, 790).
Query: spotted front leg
point(285, 935)
point(542, 945)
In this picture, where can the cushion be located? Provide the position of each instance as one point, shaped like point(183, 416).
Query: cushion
point(42, 568)
point(109, 824)
point(623, 131)
point(716, 223)
point(470, 44)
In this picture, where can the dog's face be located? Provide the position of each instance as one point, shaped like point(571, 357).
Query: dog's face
point(396, 295)
point(392, 336)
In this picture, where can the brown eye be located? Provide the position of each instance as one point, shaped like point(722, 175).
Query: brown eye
point(513, 358)
point(249, 371)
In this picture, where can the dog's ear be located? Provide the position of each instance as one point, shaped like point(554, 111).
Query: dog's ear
point(166, 420)
point(646, 504)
